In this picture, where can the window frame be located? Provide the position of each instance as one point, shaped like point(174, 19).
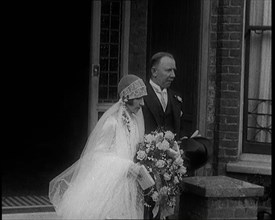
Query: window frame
point(249, 146)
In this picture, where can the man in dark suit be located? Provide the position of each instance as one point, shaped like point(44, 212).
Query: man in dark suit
point(163, 108)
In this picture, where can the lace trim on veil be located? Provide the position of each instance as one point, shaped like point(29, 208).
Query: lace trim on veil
point(60, 184)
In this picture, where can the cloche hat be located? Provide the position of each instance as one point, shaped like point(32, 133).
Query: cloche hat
point(131, 87)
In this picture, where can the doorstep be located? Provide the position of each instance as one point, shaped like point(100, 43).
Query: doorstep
point(26, 204)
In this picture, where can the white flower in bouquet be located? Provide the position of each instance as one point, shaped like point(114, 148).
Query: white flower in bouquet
point(163, 191)
point(161, 156)
point(141, 155)
point(176, 146)
point(169, 135)
point(160, 163)
point(182, 170)
point(164, 145)
point(159, 138)
point(149, 138)
point(169, 162)
point(172, 202)
point(155, 196)
point(167, 176)
point(178, 161)
point(172, 153)
point(176, 180)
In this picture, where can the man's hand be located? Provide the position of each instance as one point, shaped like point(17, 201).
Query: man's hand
point(195, 134)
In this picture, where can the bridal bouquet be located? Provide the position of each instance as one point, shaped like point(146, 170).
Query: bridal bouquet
point(161, 156)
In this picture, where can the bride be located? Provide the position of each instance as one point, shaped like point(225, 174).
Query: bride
point(102, 184)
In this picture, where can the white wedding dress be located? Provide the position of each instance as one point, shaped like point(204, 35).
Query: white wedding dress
point(98, 185)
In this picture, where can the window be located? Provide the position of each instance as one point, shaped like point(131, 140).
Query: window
point(257, 93)
point(110, 51)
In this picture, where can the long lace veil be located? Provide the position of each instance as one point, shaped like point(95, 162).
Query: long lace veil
point(60, 184)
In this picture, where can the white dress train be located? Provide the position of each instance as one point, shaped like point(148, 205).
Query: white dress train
point(99, 185)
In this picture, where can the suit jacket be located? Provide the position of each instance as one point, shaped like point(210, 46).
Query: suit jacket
point(153, 119)
point(153, 112)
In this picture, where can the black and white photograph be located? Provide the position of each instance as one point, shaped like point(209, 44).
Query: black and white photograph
point(137, 109)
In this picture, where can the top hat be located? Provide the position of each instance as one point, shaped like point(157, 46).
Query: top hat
point(197, 150)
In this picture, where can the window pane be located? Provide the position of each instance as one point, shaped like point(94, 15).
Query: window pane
point(114, 36)
point(115, 22)
point(110, 50)
point(105, 21)
point(104, 65)
point(104, 36)
point(113, 79)
point(259, 121)
point(259, 96)
point(115, 8)
point(114, 51)
point(105, 7)
point(113, 64)
point(260, 65)
point(260, 12)
point(103, 79)
point(260, 87)
point(113, 92)
point(104, 50)
point(103, 92)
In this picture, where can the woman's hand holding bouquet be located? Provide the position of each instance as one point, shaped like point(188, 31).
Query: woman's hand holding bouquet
point(161, 156)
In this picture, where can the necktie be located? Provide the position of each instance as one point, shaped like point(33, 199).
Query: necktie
point(162, 100)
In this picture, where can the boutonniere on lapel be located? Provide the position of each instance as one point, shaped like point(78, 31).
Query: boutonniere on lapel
point(178, 98)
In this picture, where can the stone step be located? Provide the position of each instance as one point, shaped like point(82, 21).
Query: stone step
point(31, 216)
point(26, 204)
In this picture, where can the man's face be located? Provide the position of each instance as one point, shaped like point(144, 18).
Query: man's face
point(164, 72)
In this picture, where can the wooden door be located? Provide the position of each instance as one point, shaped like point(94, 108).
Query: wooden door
point(174, 27)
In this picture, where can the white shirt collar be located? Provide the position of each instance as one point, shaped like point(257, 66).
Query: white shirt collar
point(157, 87)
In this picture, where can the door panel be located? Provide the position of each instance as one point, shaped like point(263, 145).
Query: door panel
point(106, 48)
point(94, 67)
point(175, 28)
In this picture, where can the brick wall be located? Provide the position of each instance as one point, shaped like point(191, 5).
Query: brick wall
point(198, 207)
point(219, 197)
point(224, 80)
point(261, 180)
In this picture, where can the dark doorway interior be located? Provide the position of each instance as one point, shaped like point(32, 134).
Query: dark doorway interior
point(48, 92)
point(174, 27)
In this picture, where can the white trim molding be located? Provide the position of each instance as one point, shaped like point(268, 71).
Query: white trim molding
point(251, 164)
point(203, 66)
